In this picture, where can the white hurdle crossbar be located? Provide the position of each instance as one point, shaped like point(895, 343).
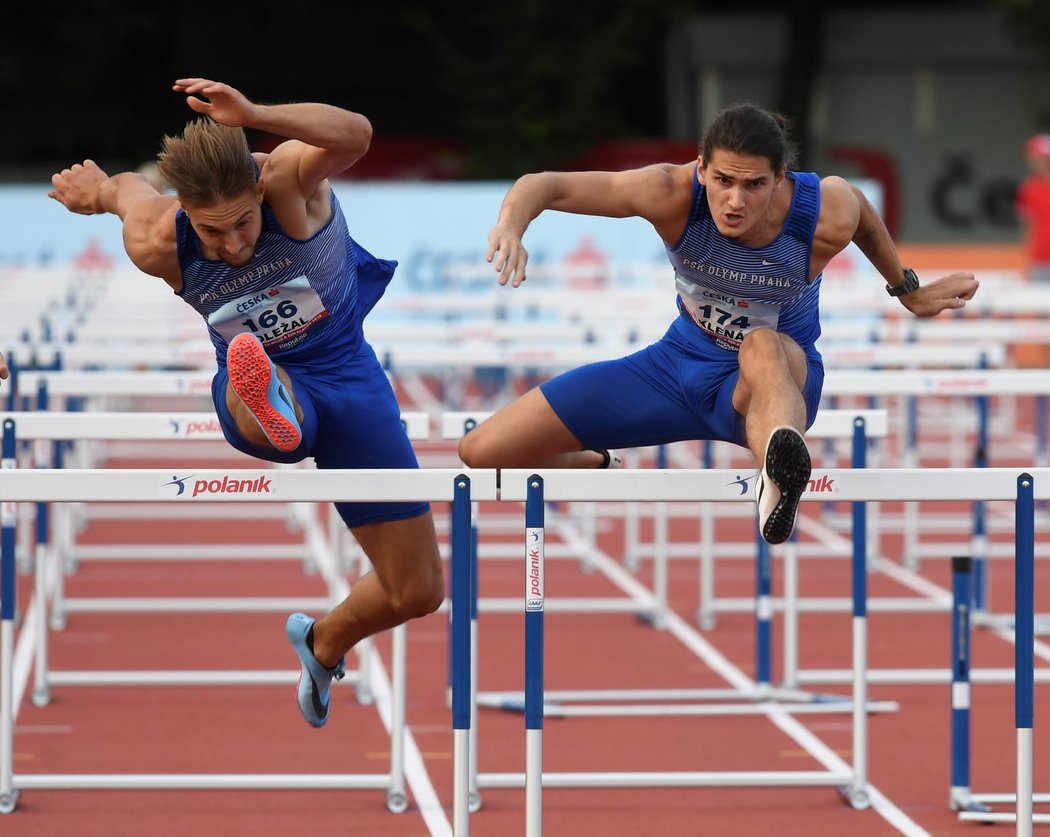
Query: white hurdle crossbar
point(829, 424)
point(98, 384)
point(52, 604)
point(205, 487)
point(80, 426)
point(859, 486)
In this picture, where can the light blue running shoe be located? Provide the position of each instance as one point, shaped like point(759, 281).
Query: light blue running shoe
point(254, 378)
point(315, 678)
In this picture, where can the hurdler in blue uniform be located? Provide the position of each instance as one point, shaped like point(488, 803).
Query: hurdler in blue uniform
point(304, 302)
point(258, 245)
point(748, 241)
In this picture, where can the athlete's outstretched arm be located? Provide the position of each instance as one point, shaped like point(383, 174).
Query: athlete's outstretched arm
point(86, 189)
point(946, 293)
point(334, 138)
point(655, 193)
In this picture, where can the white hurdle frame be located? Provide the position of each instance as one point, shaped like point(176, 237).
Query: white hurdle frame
point(829, 424)
point(453, 426)
point(859, 486)
point(154, 426)
point(977, 383)
point(217, 486)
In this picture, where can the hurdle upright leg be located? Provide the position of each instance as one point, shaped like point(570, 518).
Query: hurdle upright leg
point(1024, 643)
point(789, 678)
point(705, 616)
point(460, 663)
point(41, 686)
point(960, 798)
point(534, 658)
point(8, 546)
point(474, 787)
point(857, 792)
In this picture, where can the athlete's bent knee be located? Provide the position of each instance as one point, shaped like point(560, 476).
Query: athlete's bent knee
point(472, 451)
point(761, 339)
point(417, 601)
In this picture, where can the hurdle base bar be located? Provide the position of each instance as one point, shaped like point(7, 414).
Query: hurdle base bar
point(555, 710)
point(201, 781)
point(186, 678)
point(960, 799)
point(992, 817)
point(397, 801)
point(858, 798)
point(917, 676)
point(1006, 621)
point(885, 604)
point(205, 604)
point(765, 698)
point(186, 552)
point(669, 779)
point(1009, 798)
point(41, 696)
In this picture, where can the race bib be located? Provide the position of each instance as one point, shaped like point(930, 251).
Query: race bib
point(726, 319)
point(280, 317)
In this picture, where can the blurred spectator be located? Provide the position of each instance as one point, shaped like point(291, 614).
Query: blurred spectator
point(153, 176)
point(1033, 209)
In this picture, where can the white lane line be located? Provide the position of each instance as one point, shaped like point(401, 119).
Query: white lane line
point(430, 807)
point(416, 776)
point(718, 662)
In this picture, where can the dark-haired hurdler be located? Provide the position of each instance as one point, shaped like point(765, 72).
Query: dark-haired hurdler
point(258, 245)
point(748, 239)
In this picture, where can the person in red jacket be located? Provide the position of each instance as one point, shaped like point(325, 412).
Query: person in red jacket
point(1033, 210)
point(1033, 207)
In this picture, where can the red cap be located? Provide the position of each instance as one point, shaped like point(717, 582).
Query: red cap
point(1038, 146)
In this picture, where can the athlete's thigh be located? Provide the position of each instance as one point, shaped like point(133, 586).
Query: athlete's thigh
point(359, 427)
point(402, 551)
point(524, 432)
point(308, 426)
point(635, 401)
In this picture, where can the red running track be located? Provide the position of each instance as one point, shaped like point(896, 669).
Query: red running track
point(257, 729)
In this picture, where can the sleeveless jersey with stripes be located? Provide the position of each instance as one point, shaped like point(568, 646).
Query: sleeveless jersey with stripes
point(300, 298)
point(728, 289)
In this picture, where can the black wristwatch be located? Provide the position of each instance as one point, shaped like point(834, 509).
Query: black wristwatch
point(910, 283)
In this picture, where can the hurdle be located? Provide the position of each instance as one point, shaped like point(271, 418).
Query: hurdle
point(454, 425)
point(146, 485)
point(829, 424)
point(652, 605)
point(173, 354)
point(661, 486)
point(77, 426)
point(858, 486)
point(98, 384)
point(980, 384)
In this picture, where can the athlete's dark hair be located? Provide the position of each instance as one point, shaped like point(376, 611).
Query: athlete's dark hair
point(748, 129)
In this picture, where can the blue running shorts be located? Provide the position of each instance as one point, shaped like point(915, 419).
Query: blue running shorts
point(351, 419)
point(679, 388)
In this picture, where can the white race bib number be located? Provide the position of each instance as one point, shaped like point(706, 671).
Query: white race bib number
point(724, 319)
point(280, 317)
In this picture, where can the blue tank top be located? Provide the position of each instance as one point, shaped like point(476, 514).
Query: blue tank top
point(728, 289)
point(305, 300)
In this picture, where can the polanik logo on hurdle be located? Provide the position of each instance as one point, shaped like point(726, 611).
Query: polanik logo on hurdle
point(224, 485)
